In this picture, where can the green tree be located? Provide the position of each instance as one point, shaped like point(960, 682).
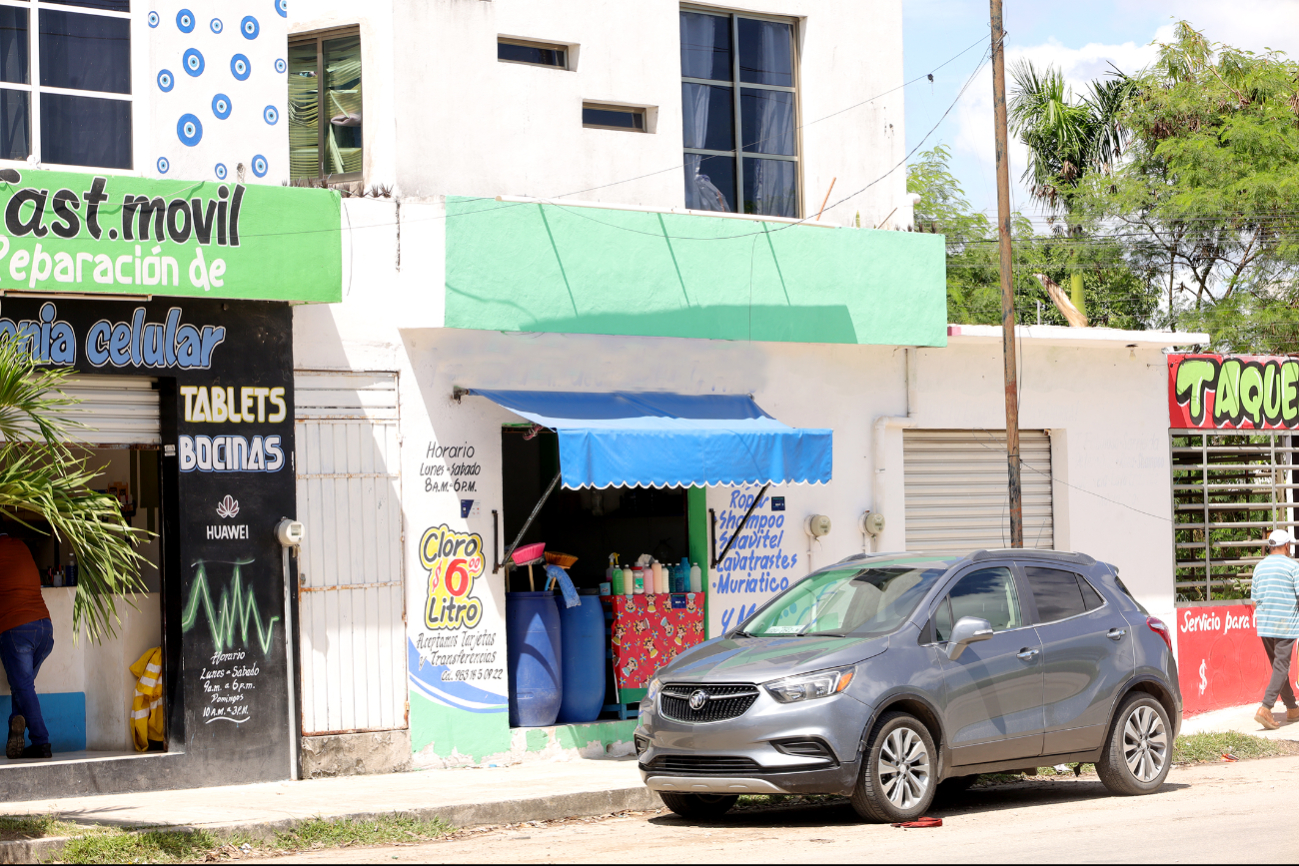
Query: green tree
point(1121, 296)
point(1204, 197)
point(42, 480)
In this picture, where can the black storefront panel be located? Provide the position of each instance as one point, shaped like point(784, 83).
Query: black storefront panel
point(225, 378)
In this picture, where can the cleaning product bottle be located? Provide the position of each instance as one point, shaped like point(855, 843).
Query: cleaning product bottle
point(683, 575)
point(628, 582)
point(696, 578)
point(70, 573)
point(639, 581)
point(615, 578)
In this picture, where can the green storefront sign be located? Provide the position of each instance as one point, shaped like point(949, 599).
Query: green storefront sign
point(117, 235)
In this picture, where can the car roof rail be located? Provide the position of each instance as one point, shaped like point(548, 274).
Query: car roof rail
point(1002, 553)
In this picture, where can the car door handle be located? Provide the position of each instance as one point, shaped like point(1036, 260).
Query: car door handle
point(1116, 633)
point(1026, 655)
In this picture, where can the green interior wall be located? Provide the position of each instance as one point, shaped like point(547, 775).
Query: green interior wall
point(533, 267)
point(700, 546)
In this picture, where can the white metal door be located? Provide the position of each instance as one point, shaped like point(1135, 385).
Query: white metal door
point(957, 499)
point(352, 615)
point(116, 410)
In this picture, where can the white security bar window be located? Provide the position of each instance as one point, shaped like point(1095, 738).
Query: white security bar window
point(65, 82)
point(325, 132)
point(532, 53)
point(596, 116)
point(738, 77)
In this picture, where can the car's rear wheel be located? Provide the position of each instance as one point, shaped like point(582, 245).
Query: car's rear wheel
point(1138, 754)
point(698, 806)
point(899, 774)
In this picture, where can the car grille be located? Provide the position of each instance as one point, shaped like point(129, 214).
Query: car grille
point(700, 764)
point(724, 701)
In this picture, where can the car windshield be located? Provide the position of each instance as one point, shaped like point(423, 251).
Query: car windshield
point(857, 601)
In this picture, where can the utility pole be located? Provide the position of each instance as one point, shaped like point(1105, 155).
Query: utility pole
point(1007, 281)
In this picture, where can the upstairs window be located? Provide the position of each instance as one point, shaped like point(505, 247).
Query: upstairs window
point(739, 98)
point(325, 131)
point(618, 117)
point(532, 53)
point(65, 82)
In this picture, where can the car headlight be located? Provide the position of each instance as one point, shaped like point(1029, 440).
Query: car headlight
point(805, 687)
point(653, 689)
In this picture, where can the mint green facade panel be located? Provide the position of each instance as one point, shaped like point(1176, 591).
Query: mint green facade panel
point(549, 268)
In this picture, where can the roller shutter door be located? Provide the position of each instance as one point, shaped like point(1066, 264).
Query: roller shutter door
point(351, 597)
point(117, 410)
point(956, 490)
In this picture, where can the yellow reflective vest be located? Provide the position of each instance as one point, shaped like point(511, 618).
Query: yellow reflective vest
point(146, 709)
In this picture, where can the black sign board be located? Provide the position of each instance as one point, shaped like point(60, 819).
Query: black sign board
point(225, 381)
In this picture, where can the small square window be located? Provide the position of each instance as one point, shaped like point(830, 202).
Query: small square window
point(613, 117)
point(533, 53)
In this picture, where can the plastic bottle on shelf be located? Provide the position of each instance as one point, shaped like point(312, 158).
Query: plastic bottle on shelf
point(70, 573)
point(696, 578)
point(616, 580)
point(639, 581)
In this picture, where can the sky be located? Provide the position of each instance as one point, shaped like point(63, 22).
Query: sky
point(1083, 39)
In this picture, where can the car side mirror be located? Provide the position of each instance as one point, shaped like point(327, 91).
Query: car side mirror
point(968, 630)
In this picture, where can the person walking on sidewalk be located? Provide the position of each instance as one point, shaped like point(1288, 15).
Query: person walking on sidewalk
point(1275, 593)
point(26, 640)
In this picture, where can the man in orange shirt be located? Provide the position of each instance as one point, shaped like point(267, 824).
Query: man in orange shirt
point(26, 640)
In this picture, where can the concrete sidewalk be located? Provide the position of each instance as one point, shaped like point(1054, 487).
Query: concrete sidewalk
point(1241, 720)
point(462, 797)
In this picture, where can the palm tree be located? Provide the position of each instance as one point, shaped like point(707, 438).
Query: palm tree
point(43, 481)
point(1067, 137)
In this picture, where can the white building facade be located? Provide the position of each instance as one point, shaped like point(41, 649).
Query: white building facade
point(626, 198)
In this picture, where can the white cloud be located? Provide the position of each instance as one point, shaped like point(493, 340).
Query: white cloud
point(974, 117)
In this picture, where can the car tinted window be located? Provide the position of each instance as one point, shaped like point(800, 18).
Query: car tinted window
point(1091, 597)
point(988, 593)
point(1056, 593)
point(943, 621)
point(859, 601)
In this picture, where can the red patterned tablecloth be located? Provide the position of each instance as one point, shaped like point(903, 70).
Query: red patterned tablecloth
point(651, 630)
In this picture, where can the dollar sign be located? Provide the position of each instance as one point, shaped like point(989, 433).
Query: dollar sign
point(1204, 680)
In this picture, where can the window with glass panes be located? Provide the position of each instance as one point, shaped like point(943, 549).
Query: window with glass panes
point(65, 82)
point(738, 77)
point(325, 131)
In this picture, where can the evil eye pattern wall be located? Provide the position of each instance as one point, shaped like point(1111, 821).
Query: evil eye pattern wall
point(220, 90)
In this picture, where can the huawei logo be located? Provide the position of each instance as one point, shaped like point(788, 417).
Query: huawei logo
point(228, 507)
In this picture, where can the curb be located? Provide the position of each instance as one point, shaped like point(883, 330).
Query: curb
point(576, 805)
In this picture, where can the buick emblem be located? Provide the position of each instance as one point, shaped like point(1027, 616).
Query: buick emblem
point(697, 699)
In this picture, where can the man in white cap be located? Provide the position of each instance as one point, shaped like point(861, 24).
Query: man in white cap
point(1275, 592)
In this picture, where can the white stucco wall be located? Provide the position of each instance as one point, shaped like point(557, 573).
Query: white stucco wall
point(444, 116)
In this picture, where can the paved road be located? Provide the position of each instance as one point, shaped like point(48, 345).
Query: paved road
point(1243, 812)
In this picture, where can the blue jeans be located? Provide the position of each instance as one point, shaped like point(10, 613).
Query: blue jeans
point(23, 649)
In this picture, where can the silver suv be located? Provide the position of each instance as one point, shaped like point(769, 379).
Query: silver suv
point(885, 677)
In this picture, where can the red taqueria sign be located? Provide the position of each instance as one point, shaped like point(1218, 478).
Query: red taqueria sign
point(1233, 392)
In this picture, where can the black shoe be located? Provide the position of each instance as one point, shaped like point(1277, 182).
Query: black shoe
point(14, 747)
point(42, 751)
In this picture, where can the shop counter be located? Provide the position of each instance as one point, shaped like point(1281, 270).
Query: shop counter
point(647, 632)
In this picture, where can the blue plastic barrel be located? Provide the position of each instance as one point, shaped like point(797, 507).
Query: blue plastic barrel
point(584, 660)
point(533, 653)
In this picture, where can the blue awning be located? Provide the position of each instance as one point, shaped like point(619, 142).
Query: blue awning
point(670, 440)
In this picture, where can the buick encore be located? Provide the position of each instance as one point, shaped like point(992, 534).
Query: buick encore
point(884, 677)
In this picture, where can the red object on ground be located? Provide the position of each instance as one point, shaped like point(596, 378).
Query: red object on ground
point(920, 823)
point(651, 630)
point(1220, 659)
point(1227, 757)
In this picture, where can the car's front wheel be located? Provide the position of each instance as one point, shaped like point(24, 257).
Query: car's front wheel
point(699, 807)
point(899, 773)
point(1138, 754)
